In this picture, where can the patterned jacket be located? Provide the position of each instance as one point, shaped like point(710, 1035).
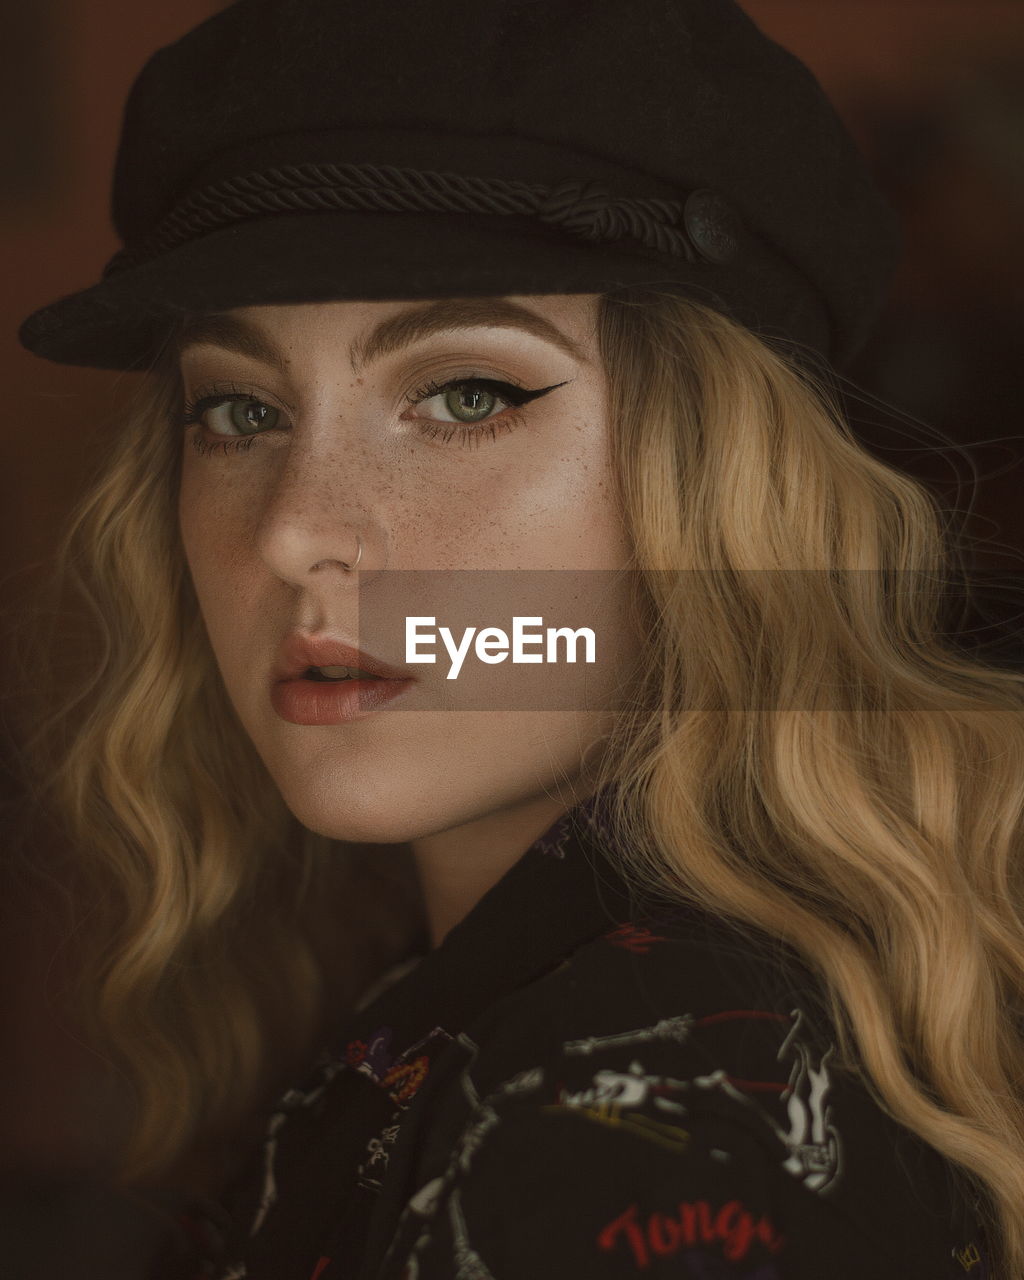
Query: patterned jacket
point(570, 1088)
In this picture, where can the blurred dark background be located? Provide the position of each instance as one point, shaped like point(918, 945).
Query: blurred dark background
point(933, 91)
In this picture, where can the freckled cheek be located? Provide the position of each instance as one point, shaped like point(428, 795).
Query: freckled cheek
point(454, 522)
point(571, 493)
point(213, 523)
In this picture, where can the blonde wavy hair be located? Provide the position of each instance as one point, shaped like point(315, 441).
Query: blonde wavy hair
point(810, 757)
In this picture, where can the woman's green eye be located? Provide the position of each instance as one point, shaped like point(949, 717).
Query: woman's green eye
point(232, 415)
point(248, 416)
point(469, 403)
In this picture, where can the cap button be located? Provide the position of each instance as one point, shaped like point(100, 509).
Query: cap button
point(713, 225)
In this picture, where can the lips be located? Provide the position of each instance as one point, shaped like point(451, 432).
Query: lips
point(302, 650)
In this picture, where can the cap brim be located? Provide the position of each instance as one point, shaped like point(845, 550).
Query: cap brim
point(122, 322)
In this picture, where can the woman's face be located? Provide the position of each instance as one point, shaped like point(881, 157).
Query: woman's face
point(318, 423)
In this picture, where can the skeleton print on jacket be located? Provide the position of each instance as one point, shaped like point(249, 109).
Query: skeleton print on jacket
point(571, 1088)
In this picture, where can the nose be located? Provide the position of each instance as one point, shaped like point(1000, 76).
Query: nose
point(313, 528)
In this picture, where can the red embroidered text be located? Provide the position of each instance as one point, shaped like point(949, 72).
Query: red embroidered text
point(698, 1223)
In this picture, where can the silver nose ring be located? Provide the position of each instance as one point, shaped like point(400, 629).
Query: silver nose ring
point(359, 556)
point(344, 565)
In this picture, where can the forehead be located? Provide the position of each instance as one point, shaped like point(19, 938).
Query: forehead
point(370, 330)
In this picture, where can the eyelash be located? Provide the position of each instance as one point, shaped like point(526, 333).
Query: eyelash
point(466, 432)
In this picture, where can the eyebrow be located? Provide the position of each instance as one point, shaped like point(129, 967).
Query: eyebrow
point(445, 315)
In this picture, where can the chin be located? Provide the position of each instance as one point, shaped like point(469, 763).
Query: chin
point(362, 819)
point(385, 813)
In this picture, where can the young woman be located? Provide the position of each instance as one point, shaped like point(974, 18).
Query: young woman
point(704, 959)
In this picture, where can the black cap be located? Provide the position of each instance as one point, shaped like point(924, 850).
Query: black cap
point(310, 150)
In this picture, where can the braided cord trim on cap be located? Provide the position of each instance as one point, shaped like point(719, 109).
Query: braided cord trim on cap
point(586, 209)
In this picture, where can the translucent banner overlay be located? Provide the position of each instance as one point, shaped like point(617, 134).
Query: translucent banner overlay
point(589, 639)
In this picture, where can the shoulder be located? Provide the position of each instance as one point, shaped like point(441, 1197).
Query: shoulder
point(683, 988)
point(671, 1087)
point(680, 1025)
